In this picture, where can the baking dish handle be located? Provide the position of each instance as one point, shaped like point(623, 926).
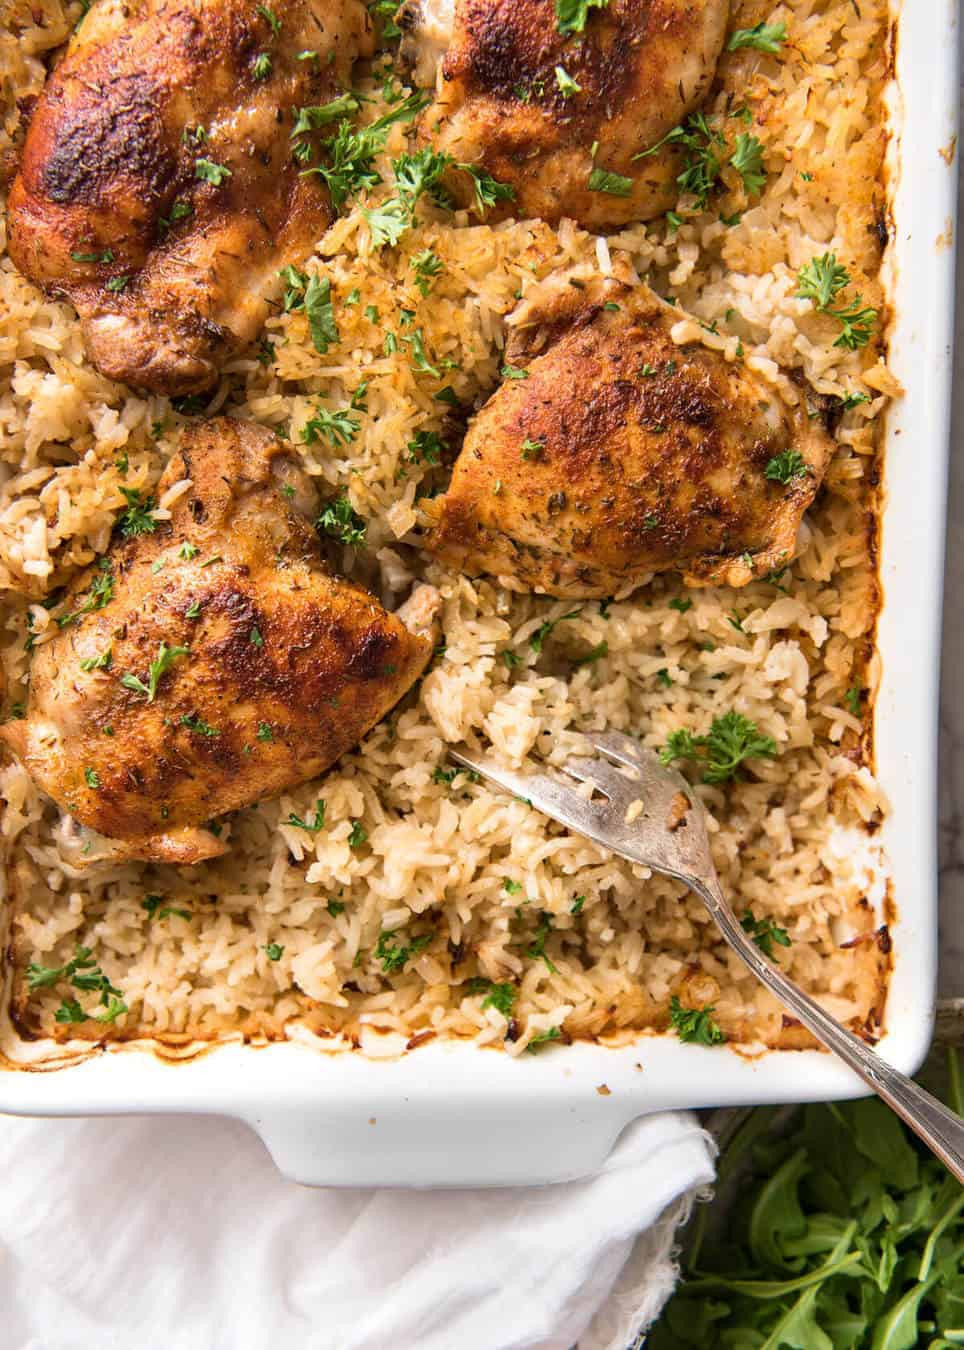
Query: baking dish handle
point(464, 1144)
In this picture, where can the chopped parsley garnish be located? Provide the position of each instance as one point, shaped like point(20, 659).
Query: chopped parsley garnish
point(820, 281)
point(117, 284)
point(262, 66)
point(694, 1024)
point(199, 725)
point(532, 449)
point(358, 836)
point(536, 949)
point(514, 373)
point(209, 172)
point(270, 18)
point(571, 15)
point(137, 519)
point(594, 654)
point(105, 256)
point(388, 222)
point(166, 656)
point(510, 658)
point(265, 731)
point(680, 605)
point(731, 740)
point(319, 115)
point(337, 427)
point(92, 778)
point(702, 147)
point(274, 951)
point(852, 700)
point(334, 908)
point(426, 266)
point(854, 400)
point(427, 447)
point(102, 662)
point(501, 997)
point(511, 887)
point(341, 521)
point(763, 37)
point(193, 610)
point(83, 972)
point(99, 593)
point(544, 629)
point(566, 85)
point(764, 932)
point(179, 211)
point(395, 957)
point(615, 184)
point(351, 153)
point(542, 1038)
point(577, 904)
point(488, 190)
point(664, 677)
point(747, 159)
point(786, 466)
point(311, 826)
point(156, 908)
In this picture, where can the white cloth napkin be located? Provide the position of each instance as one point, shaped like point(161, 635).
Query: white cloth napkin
point(179, 1233)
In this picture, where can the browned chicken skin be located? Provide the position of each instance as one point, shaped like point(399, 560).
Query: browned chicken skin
point(641, 67)
point(623, 454)
point(149, 92)
point(227, 666)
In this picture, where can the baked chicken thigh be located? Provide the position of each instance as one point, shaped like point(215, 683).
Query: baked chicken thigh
point(158, 191)
point(613, 453)
point(561, 116)
point(214, 661)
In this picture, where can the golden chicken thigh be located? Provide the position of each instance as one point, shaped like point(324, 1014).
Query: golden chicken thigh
point(611, 453)
point(214, 661)
point(158, 191)
point(555, 114)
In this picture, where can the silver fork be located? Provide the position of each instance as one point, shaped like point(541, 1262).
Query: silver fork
point(669, 835)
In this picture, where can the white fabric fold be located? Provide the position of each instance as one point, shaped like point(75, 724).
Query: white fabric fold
point(178, 1232)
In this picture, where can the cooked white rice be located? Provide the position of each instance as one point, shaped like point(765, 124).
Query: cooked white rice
point(793, 840)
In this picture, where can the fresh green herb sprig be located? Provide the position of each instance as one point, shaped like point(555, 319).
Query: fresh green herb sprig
point(84, 973)
point(762, 37)
point(730, 741)
point(395, 956)
point(162, 663)
point(820, 281)
point(764, 932)
point(339, 520)
point(695, 1025)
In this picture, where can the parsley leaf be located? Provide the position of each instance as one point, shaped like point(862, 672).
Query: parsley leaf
point(274, 951)
point(536, 949)
point(571, 15)
point(764, 932)
point(340, 520)
point(544, 629)
point(321, 313)
point(542, 1038)
point(747, 159)
point(764, 37)
point(395, 957)
point(426, 266)
point(137, 518)
point(311, 826)
point(695, 1025)
point(786, 466)
point(820, 281)
point(358, 836)
point(337, 427)
point(566, 84)
point(502, 997)
point(488, 190)
point(99, 593)
point(615, 184)
point(166, 656)
point(209, 172)
point(731, 740)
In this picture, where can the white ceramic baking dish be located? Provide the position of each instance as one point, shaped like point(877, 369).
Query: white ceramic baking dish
point(451, 1114)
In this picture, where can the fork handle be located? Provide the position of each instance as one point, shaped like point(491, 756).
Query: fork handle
point(941, 1129)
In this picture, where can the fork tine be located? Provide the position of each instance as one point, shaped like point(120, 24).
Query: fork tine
point(600, 772)
point(620, 747)
point(546, 794)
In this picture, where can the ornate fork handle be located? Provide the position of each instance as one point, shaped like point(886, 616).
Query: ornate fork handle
point(936, 1124)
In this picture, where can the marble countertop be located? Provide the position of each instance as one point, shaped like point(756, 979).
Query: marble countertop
point(952, 676)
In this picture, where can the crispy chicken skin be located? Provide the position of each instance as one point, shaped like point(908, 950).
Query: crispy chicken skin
point(622, 455)
point(286, 668)
point(146, 90)
point(641, 66)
